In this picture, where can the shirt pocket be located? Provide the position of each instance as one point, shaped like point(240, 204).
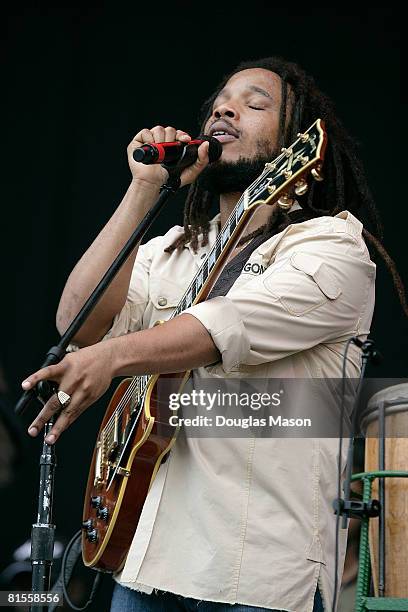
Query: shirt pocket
point(313, 287)
point(165, 295)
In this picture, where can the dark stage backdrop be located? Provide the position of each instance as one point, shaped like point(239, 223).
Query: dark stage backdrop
point(79, 84)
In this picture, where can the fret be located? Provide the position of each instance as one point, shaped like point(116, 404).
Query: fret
point(240, 209)
point(218, 249)
point(225, 236)
point(211, 260)
point(233, 224)
point(189, 299)
point(194, 291)
point(205, 270)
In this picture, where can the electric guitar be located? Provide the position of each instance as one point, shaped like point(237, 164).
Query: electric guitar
point(135, 435)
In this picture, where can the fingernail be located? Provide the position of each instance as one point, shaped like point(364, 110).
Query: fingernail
point(50, 439)
point(25, 384)
point(33, 431)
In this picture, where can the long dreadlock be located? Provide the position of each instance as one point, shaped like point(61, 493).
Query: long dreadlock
point(345, 185)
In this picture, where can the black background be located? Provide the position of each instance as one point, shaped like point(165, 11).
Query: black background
point(79, 83)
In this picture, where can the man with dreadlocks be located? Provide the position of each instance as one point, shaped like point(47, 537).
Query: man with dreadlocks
point(235, 523)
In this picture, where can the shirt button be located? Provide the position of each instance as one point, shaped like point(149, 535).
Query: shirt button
point(162, 301)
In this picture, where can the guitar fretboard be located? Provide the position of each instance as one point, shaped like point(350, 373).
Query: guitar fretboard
point(208, 265)
point(296, 160)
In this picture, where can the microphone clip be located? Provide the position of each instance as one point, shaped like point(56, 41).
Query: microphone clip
point(173, 182)
point(369, 352)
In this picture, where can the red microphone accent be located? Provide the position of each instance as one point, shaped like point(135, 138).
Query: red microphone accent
point(180, 154)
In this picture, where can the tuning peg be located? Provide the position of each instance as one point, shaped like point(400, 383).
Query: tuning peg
point(303, 137)
point(317, 174)
point(303, 159)
point(271, 188)
point(301, 187)
point(285, 202)
point(286, 152)
point(270, 166)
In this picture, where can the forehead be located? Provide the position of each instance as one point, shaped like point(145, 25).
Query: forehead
point(253, 77)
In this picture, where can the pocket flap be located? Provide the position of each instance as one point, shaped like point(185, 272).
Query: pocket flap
point(165, 294)
point(316, 268)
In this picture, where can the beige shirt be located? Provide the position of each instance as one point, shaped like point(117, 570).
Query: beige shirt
point(249, 520)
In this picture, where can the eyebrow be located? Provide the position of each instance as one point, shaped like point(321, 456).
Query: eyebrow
point(253, 88)
point(260, 91)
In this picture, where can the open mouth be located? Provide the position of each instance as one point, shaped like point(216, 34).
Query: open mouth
point(223, 132)
point(224, 137)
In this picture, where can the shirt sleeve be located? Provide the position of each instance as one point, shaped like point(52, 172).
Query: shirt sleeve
point(309, 296)
point(130, 318)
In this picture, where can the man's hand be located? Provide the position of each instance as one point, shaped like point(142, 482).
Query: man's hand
point(155, 173)
point(85, 375)
point(176, 346)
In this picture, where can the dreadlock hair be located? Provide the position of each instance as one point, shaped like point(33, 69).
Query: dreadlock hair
point(345, 185)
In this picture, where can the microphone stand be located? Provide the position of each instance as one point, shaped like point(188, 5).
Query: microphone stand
point(42, 534)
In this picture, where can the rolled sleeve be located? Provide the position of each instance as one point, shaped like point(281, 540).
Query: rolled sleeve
point(223, 321)
point(297, 303)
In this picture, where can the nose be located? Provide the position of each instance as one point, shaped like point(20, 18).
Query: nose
point(226, 110)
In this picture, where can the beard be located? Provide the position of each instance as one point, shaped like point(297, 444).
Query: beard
point(232, 177)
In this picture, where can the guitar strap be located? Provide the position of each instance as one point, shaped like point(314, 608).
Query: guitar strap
point(235, 266)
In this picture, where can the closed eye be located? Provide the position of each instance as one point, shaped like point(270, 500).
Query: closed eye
point(256, 107)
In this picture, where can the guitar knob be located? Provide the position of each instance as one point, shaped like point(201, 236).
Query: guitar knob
point(301, 187)
point(285, 202)
point(96, 502)
point(88, 525)
point(317, 173)
point(103, 513)
point(92, 535)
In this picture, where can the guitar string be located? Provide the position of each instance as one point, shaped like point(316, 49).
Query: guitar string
point(110, 425)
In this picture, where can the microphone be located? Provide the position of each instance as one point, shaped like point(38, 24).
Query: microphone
point(177, 154)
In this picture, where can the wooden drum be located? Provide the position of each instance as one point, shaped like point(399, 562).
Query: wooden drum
point(392, 403)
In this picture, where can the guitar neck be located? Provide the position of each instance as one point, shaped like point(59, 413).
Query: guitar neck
point(226, 237)
point(286, 171)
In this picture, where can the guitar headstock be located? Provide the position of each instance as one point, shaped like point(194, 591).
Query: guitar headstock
point(289, 172)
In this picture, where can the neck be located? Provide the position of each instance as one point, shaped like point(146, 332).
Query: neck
point(228, 202)
point(259, 217)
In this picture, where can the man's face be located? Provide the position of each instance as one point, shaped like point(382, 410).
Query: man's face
point(247, 109)
point(245, 119)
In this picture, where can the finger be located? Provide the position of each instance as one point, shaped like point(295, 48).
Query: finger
point(202, 153)
point(50, 409)
point(180, 135)
point(190, 174)
point(159, 133)
point(53, 372)
point(144, 136)
point(65, 419)
point(169, 134)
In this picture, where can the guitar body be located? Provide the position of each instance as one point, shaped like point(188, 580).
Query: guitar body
point(136, 435)
point(120, 477)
